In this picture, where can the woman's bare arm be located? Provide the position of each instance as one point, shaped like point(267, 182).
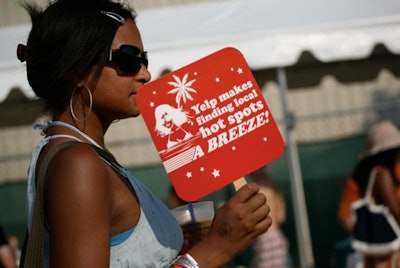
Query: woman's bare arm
point(78, 206)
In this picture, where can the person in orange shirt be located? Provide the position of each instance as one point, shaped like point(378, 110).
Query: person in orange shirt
point(350, 194)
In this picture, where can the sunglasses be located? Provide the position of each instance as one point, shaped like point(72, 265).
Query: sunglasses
point(129, 59)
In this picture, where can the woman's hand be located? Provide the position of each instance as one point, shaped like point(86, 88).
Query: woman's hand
point(235, 226)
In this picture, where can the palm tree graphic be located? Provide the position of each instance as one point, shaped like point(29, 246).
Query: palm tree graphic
point(182, 89)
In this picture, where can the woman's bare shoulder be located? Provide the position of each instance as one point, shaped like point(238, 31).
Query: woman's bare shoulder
point(78, 170)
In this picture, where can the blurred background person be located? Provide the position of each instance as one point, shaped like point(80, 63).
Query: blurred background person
point(7, 258)
point(382, 157)
point(271, 250)
point(350, 194)
point(346, 256)
point(13, 242)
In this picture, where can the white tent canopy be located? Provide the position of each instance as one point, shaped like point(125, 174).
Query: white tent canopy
point(270, 33)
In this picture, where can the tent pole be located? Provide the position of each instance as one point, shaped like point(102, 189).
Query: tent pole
point(297, 190)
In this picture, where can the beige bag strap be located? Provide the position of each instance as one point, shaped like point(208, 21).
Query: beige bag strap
point(370, 185)
point(35, 246)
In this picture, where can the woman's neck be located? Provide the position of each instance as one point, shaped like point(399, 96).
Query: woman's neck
point(92, 129)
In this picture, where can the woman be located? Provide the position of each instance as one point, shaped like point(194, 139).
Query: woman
point(85, 59)
point(383, 161)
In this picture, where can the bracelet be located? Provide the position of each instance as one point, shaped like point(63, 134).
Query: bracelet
point(185, 261)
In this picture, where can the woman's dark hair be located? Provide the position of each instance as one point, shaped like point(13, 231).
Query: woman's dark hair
point(363, 168)
point(66, 41)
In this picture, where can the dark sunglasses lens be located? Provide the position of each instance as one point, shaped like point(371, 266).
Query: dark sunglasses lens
point(129, 59)
point(128, 64)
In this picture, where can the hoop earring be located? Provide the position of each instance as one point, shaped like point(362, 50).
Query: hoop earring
point(71, 108)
